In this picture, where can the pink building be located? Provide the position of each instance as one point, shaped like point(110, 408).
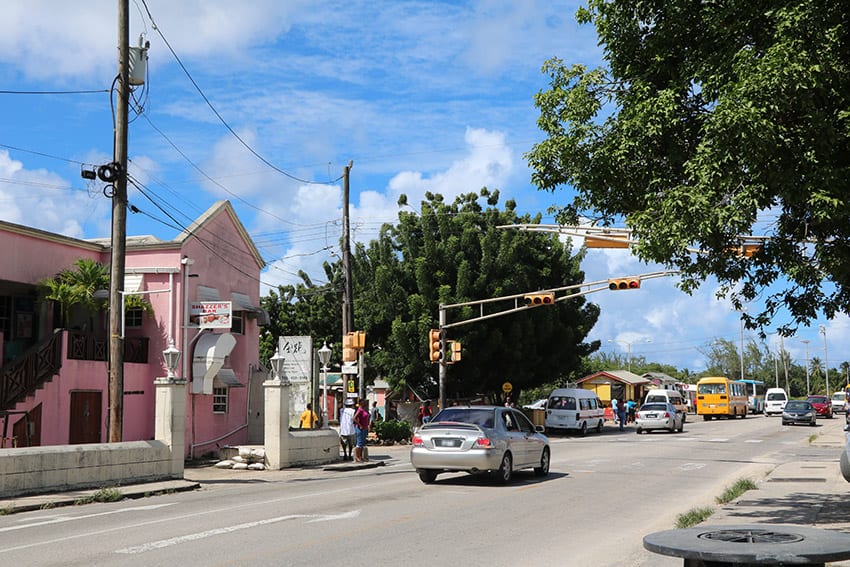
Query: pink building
point(54, 382)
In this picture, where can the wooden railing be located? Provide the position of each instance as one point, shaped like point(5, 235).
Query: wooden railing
point(85, 346)
point(29, 371)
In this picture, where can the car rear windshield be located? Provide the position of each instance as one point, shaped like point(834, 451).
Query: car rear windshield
point(817, 399)
point(653, 407)
point(479, 416)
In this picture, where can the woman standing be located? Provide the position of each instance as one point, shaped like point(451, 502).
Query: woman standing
point(361, 426)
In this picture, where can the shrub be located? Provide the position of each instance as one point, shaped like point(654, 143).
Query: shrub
point(393, 430)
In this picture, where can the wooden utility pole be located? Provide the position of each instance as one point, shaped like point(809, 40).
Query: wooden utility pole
point(119, 229)
point(347, 292)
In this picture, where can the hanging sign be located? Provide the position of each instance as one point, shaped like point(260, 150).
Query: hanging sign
point(211, 314)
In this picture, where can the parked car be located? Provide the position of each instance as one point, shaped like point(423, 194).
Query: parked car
point(838, 399)
point(822, 405)
point(659, 415)
point(537, 404)
point(799, 411)
point(479, 439)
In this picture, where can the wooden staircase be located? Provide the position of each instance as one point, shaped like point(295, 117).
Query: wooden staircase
point(30, 371)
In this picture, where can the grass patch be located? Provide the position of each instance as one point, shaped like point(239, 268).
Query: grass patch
point(738, 488)
point(6, 511)
point(693, 517)
point(102, 495)
point(812, 438)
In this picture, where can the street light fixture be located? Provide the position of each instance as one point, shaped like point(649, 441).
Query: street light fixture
point(277, 365)
point(172, 357)
point(628, 348)
point(324, 357)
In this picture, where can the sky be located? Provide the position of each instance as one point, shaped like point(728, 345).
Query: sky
point(264, 103)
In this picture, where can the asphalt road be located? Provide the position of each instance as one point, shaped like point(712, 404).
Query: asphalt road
point(604, 493)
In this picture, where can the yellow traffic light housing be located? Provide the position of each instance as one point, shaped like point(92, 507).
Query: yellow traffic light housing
point(543, 298)
point(435, 345)
point(623, 283)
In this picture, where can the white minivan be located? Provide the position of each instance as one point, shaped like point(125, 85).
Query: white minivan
point(774, 401)
point(574, 408)
point(673, 397)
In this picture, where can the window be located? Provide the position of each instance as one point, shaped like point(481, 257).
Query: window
point(220, 400)
point(133, 317)
point(237, 323)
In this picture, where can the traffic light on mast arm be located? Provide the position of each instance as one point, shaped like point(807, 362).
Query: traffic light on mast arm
point(454, 351)
point(624, 283)
point(542, 298)
point(435, 345)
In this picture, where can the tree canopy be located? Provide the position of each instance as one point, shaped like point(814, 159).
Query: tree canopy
point(454, 253)
point(708, 121)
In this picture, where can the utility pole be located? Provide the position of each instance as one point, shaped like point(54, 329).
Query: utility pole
point(119, 230)
point(348, 287)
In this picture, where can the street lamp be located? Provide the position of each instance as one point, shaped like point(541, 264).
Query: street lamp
point(806, 342)
point(825, 359)
point(324, 358)
point(171, 356)
point(628, 348)
point(277, 365)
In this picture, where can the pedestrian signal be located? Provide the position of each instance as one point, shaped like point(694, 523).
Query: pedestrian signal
point(532, 299)
point(435, 345)
point(454, 349)
point(623, 283)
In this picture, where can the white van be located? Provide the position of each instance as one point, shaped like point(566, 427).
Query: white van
point(774, 401)
point(673, 397)
point(574, 408)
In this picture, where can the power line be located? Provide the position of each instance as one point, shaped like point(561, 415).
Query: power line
point(99, 91)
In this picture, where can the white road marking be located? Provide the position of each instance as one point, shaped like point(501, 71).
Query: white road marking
point(63, 519)
point(691, 466)
point(753, 441)
point(230, 529)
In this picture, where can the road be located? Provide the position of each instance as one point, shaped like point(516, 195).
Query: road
point(604, 493)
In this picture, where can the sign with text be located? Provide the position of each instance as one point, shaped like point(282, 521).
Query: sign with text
point(211, 314)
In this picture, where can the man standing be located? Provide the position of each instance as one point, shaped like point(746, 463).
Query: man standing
point(309, 419)
point(361, 427)
point(347, 433)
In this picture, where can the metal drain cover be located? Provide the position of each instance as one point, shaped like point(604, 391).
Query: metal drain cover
point(751, 536)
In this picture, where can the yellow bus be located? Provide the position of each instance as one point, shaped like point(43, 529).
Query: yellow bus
point(718, 396)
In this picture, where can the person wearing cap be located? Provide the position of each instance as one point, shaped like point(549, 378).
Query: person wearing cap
point(347, 434)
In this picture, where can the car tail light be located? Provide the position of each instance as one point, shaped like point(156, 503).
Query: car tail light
point(482, 443)
point(417, 441)
point(666, 414)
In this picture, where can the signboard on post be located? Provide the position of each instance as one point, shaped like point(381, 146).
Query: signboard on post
point(298, 369)
point(211, 314)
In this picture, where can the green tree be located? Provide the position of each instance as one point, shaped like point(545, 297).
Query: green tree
point(707, 120)
point(454, 253)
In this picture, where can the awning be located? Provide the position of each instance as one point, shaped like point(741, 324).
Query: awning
point(205, 293)
point(242, 302)
point(227, 378)
point(132, 282)
point(210, 352)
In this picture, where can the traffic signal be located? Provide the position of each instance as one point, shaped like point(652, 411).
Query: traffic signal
point(435, 345)
point(454, 349)
point(623, 283)
point(543, 298)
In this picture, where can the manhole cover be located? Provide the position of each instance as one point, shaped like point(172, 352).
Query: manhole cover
point(751, 536)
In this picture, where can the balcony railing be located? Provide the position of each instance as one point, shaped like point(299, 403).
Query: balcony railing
point(85, 346)
point(29, 371)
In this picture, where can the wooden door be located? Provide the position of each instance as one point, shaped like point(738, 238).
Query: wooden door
point(86, 413)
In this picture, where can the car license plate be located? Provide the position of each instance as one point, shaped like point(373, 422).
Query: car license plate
point(651, 416)
point(447, 442)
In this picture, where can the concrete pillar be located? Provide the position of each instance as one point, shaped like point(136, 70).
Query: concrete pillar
point(276, 437)
point(171, 420)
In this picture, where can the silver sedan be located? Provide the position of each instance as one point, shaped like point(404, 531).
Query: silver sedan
point(659, 416)
point(479, 439)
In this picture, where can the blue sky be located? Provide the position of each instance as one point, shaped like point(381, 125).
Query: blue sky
point(421, 96)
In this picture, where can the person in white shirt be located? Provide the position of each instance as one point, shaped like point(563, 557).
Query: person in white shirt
point(347, 434)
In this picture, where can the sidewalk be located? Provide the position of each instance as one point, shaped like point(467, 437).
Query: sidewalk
point(194, 478)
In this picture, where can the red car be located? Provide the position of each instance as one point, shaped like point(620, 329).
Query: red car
point(822, 405)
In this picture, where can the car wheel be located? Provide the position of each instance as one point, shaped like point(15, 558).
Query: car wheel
point(583, 428)
point(503, 475)
point(427, 476)
point(829, 416)
point(784, 422)
point(814, 423)
point(638, 430)
point(706, 418)
point(543, 469)
point(599, 426)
